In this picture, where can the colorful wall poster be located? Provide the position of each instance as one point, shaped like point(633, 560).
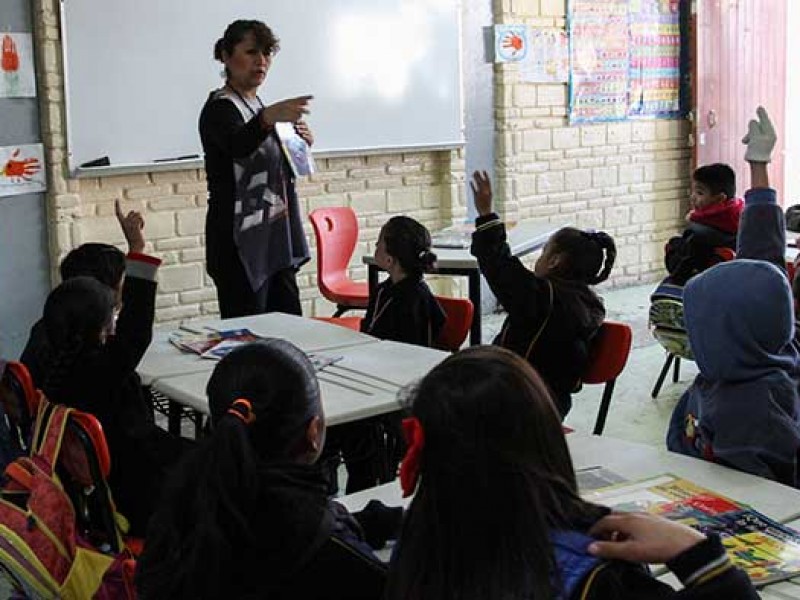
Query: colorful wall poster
point(510, 43)
point(17, 78)
point(599, 59)
point(22, 170)
point(655, 58)
point(548, 56)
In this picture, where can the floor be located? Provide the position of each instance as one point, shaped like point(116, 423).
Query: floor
point(634, 415)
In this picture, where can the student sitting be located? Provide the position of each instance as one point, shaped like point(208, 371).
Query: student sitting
point(713, 223)
point(403, 308)
point(246, 515)
point(552, 312)
point(89, 361)
point(496, 512)
point(742, 409)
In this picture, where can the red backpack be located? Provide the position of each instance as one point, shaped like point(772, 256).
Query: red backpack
point(40, 548)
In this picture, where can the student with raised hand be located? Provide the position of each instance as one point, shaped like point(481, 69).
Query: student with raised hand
point(402, 308)
point(247, 515)
point(743, 409)
point(93, 347)
point(553, 313)
point(254, 229)
point(496, 511)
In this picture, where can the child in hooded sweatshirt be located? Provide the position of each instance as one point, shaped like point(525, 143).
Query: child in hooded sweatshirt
point(713, 223)
point(742, 409)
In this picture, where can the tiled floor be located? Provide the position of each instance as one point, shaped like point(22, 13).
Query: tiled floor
point(634, 415)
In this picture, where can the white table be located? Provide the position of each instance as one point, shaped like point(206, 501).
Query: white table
point(523, 238)
point(637, 461)
point(163, 359)
point(364, 384)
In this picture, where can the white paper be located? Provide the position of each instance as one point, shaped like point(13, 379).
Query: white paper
point(547, 60)
point(17, 78)
point(22, 169)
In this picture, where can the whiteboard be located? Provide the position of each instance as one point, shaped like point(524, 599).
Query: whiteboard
point(384, 73)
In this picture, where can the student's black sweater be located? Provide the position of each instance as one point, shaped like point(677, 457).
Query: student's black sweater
point(405, 311)
point(104, 382)
point(564, 314)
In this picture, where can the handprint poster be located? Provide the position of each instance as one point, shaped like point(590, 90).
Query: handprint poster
point(22, 170)
point(17, 79)
point(510, 43)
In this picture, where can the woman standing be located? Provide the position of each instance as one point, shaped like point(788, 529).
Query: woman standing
point(254, 234)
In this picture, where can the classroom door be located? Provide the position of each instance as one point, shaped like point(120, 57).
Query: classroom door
point(24, 258)
point(740, 47)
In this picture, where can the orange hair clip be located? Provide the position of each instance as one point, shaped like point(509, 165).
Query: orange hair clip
point(242, 409)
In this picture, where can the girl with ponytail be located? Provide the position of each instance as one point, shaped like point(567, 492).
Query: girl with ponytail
point(246, 515)
point(552, 312)
point(403, 308)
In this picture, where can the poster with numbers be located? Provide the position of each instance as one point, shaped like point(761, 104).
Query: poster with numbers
point(599, 59)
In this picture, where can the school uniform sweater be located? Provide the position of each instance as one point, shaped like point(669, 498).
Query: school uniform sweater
point(302, 546)
point(405, 311)
point(253, 214)
point(743, 409)
point(104, 382)
point(538, 307)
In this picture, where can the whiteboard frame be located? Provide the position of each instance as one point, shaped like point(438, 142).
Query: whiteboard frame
point(79, 172)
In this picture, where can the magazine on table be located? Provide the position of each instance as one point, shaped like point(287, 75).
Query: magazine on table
point(766, 550)
point(297, 151)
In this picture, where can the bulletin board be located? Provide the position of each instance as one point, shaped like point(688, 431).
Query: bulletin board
point(626, 59)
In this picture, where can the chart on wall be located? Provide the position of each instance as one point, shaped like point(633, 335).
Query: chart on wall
point(625, 59)
point(17, 78)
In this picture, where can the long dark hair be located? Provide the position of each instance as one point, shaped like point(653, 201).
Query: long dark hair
point(104, 262)
point(409, 242)
point(495, 479)
point(206, 513)
point(75, 315)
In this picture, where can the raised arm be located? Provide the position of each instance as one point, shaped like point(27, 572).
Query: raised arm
point(762, 230)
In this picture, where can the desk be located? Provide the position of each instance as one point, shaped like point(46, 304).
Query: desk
point(163, 359)
point(364, 384)
point(523, 239)
point(637, 461)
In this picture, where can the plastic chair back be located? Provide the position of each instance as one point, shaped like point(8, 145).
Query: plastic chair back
point(459, 313)
point(336, 232)
point(608, 355)
point(20, 400)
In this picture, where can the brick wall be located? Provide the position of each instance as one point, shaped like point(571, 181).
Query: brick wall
point(628, 178)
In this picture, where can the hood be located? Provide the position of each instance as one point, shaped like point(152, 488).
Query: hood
point(740, 320)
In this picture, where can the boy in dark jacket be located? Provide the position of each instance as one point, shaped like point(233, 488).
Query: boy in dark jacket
point(713, 223)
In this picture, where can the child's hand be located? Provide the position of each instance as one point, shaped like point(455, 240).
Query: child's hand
point(641, 537)
point(482, 192)
point(132, 226)
point(760, 138)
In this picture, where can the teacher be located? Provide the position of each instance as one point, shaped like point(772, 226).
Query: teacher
point(254, 233)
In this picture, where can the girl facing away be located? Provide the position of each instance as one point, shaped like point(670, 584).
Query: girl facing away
point(403, 308)
point(552, 312)
point(496, 512)
point(247, 515)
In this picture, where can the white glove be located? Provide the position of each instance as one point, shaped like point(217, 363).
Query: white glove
point(760, 138)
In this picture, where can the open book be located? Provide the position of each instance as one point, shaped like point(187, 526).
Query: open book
point(765, 549)
point(296, 149)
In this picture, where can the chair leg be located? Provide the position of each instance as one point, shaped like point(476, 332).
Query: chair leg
point(605, 403)
point(662, 375)
point(676, 374)
point(198, 424)
point(340, 310)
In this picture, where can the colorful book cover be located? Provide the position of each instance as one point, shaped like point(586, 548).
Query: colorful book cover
point(765, 549)
point(204, 343)
point(297, 151)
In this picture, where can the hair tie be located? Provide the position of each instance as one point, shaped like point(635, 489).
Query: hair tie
point(242, 409)
point(409, 468)
point(422, 254)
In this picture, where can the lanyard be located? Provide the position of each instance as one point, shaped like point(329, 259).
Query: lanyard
point(246, 103)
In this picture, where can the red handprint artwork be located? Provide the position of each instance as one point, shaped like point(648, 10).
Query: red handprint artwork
point(513, 42)
point(21, 169)
point(9, 61)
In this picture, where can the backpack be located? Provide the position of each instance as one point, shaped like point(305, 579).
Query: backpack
point(666, 319)
point(40, 549)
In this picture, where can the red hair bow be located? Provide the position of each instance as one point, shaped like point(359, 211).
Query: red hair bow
point(409, 469)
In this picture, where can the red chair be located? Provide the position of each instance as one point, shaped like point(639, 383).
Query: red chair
point(20, 400)
point(459, 312)
point(607, 357)
point(353, 323)
point(336, 232)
